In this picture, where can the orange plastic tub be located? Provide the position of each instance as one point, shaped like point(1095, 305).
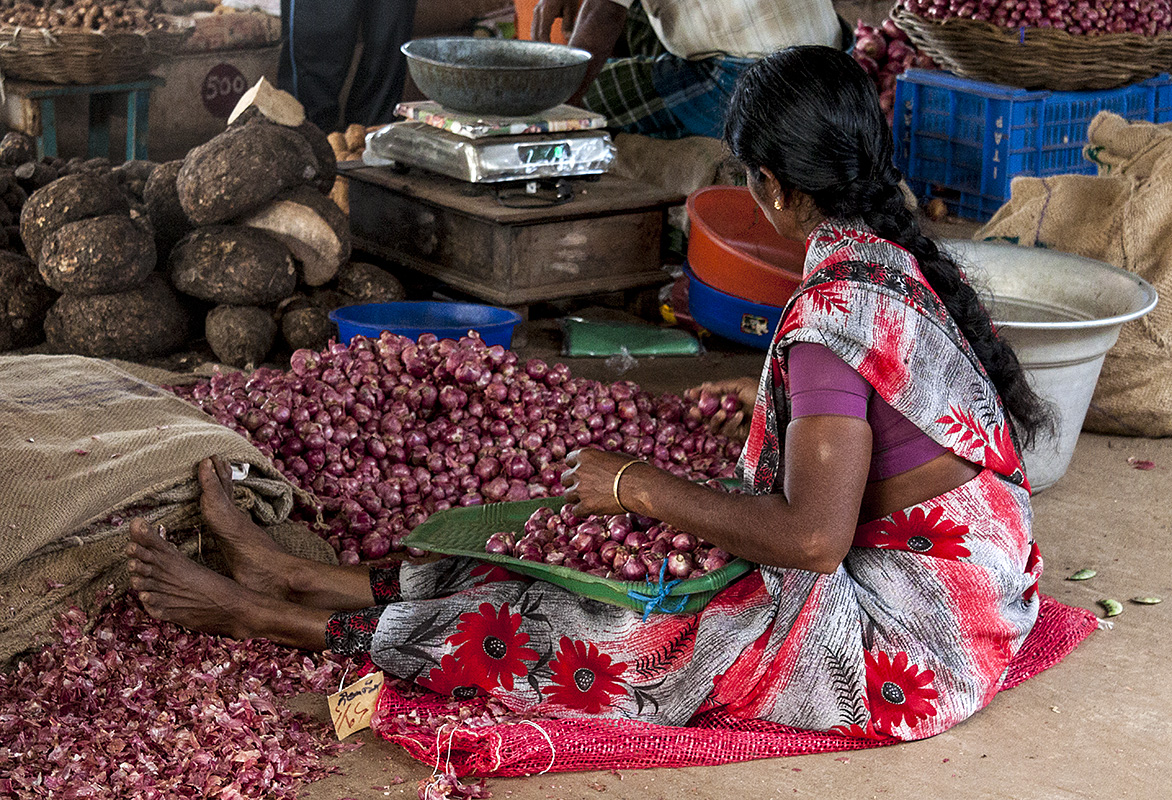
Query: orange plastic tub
point(733, 248)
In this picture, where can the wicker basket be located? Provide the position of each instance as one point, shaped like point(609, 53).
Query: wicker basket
point(1037, 58)
point(84, 57)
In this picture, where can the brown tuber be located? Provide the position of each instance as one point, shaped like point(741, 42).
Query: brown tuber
point(231, 264)
point(162, 201)
point(68, 199)
point(313, 228)
point(241, 170)
point(307, 327)
point(17, 148)
point(366, 283)
point(240, 335)
point(24, 301)
point(101, 255)
point(316, 139)
point(142, 322)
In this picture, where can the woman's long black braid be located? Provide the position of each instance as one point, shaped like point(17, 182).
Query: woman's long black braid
point(811, 116)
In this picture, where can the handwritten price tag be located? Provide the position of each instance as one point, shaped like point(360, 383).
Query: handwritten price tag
point(352, 707)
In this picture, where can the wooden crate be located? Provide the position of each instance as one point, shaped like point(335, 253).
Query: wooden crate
point(608, 238)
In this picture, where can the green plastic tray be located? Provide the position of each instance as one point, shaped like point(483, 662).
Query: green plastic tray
point(463, 532)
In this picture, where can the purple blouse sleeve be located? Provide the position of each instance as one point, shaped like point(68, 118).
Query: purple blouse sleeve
point(822, 383)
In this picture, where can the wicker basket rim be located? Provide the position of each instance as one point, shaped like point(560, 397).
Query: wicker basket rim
point(902, 15)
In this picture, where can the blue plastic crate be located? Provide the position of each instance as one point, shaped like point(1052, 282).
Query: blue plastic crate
point(965, 140)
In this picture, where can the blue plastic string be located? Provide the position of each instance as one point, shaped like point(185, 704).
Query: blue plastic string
point(660, 599)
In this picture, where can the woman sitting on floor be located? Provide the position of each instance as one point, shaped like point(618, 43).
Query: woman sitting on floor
point(885, 500)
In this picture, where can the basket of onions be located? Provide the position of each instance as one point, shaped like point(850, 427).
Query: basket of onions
point(625, 560)
point(1060, 45)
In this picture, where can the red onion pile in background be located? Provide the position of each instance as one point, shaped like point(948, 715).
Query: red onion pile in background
point(885, 51)
point(1145, 17)
point(143, 709)
point(385, 432)
point(625, 547)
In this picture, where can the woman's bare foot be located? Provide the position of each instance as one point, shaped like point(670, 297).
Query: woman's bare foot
point(260, 564)
point(173, 588)
point(253, 558)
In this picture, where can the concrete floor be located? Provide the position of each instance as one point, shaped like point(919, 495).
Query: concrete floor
point(1096, 726)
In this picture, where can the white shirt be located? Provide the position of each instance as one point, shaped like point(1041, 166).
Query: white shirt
point(745, 28)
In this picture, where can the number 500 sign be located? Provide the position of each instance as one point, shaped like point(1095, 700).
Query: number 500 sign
point(221, 89)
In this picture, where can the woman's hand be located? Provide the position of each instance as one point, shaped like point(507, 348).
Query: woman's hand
point(589, 481)
point(736, 424)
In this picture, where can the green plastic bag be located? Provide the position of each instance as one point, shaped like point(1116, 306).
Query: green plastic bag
point(600, 338)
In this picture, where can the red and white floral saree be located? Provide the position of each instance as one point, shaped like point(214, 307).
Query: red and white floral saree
point(913, 632)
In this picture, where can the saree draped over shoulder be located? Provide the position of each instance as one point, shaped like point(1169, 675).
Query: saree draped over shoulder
point(912, 633)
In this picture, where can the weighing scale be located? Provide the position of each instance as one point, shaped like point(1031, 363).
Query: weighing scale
point(445, 194)
point(564, 142)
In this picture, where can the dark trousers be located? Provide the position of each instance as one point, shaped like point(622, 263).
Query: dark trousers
point(319, 38)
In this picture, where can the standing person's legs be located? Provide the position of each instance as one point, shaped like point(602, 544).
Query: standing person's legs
point(378, 81)
point(318, 41)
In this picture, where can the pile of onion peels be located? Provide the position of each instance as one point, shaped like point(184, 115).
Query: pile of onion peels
point(142, 709)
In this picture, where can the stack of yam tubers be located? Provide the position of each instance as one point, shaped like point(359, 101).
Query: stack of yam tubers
point(255, 233)
point(237, 243)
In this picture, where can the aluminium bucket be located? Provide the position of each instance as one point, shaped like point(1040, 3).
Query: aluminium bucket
point(1061, 313)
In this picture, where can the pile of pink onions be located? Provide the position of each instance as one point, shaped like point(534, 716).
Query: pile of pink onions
point(885, 51)
point(624, 547)
point(385, 432)
point(1093, 17)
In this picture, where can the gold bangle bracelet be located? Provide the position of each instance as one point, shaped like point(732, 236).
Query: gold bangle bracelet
point(618, 476)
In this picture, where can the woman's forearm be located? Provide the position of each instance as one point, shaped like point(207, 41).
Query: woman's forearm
point(810, 526)
point(762, 528)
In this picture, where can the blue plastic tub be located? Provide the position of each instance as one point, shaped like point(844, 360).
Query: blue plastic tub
point(413, 318)
point(965, 140)
point(734, 318)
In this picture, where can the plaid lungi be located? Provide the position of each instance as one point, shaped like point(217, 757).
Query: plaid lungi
point(666, 96)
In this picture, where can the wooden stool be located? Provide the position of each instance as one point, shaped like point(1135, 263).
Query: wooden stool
point(38, 113)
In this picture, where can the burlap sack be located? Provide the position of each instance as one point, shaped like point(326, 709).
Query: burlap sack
point(1122, 216)
point(84, 446)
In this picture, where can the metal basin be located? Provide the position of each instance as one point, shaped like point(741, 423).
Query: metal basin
point(1061, 313)
point(497, 77)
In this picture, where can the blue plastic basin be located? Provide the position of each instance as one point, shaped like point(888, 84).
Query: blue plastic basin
point(413, 318)
point(734, 318)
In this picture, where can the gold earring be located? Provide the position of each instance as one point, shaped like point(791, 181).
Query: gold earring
point(777, 203)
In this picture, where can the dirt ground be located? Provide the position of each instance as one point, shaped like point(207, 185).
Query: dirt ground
point(1095, 726)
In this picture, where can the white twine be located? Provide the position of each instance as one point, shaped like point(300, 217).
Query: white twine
point(438, 732)
point(553, 753)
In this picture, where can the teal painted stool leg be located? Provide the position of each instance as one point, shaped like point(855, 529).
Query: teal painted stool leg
point(101, 108)
point(47, 141)
point(138, 106)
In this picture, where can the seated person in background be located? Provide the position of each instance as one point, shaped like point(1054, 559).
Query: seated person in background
point(685, 55)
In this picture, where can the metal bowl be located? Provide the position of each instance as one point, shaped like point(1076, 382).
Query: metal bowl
point(497, 77)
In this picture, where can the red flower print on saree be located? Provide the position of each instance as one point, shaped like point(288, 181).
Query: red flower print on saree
point(451, 678)
point(584, 678)
point(928, 533)
point(898, 692)
point(491, 645)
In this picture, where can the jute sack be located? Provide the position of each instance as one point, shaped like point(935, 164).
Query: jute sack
point(1122, 216)
point(84, 447)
